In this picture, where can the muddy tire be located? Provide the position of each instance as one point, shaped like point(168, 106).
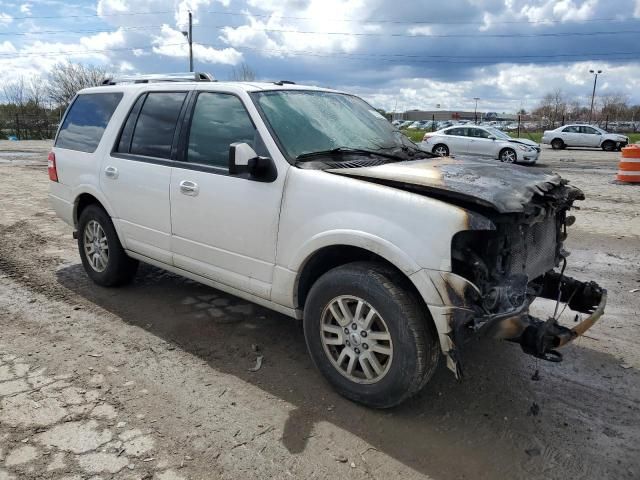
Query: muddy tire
point(557, 144)
point(102, 255)
point(369, 334)
point(441, 149)
point(608, 146)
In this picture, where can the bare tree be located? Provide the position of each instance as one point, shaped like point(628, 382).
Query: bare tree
point(67, 78)
point(552, 107)
point(614, 105)
point(15, 92)
point(243, 73)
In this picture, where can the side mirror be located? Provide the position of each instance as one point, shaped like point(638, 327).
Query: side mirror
point(244, 159)
point(491, 137)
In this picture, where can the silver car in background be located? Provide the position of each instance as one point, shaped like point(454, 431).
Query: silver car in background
point(483, 142)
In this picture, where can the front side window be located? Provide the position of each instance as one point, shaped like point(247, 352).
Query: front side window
point(479, 133)
point(86, 121)
point(305, 122)
point(156, 125)
point(589, 130)
point(218, 120)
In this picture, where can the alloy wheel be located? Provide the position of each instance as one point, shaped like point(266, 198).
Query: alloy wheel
point(96, 247)
point(356, 339)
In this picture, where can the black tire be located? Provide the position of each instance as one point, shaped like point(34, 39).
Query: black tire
point(557, 144)
point(608, 146)
point(443, 149)
point(120, 268)
point(508, 155)
point(416, 349)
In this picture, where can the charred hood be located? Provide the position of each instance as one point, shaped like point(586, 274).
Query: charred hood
point(503, 188)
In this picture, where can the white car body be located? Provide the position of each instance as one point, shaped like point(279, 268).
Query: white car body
point(580, 135)
point(267, 239)
point(480, 141)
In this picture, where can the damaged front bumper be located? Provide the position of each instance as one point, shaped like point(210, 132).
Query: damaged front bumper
point(459, 315)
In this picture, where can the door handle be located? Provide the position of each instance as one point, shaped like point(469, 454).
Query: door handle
point(111, 172)
point(188, 187)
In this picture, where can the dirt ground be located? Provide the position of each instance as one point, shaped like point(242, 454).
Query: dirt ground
point(153, 381)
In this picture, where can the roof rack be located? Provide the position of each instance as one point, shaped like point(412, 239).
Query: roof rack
point(284, 82)
point(161, 77)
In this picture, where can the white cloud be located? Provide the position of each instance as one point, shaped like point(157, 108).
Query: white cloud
point(25, 8)
point(172, 43)
point(5, 19)
point(7, 47)
point(503, 88)
point(636, 12)
point(279, 32)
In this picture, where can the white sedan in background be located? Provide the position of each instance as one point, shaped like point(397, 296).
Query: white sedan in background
point(481, 141)
point(584, 136)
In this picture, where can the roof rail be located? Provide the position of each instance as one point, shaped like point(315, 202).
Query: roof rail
point(161, 77)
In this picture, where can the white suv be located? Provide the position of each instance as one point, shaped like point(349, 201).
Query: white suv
point(584, 136)
point(307, 201)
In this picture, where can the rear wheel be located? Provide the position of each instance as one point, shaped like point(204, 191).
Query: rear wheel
point(369, 334)
point(608, 146)
point(441, 150)
point(508, 155)
point(557, 144)
point(103, 257)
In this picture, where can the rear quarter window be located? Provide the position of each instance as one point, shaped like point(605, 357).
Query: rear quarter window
point(86, 120)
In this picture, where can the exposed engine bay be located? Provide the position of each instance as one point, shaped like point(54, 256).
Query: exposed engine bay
point(515, 263)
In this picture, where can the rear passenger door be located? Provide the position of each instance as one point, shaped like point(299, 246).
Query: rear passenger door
point(457, 140)
point(224, 227)
point(136, 175)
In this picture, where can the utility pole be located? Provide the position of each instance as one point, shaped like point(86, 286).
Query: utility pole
point(189, 35)
point(475, 112)
point(593, 94)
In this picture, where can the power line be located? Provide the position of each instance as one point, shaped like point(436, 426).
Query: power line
point(82, 52)
point(334, 19)
point(354, 34)
point(398, 58)
point(437, 35)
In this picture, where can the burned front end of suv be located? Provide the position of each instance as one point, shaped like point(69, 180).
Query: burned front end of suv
point(519, 258)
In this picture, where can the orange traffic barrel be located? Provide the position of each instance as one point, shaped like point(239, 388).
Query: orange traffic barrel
point(629, 167)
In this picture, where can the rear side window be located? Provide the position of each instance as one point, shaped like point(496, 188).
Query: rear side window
point(156, 123)
point(86, 120)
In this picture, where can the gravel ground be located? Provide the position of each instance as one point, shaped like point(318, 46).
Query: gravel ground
point(153, 381)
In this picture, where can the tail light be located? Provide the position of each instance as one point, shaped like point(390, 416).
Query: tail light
point(53, 172)
point(427, 136)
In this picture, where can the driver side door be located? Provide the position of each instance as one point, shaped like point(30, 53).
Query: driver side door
point(590, 136)
point(223, 227)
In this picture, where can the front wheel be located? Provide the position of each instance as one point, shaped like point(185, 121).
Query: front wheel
point(369, 335)
point(102, 255)
point(508, 155)
point(608, 146)
point(441, 150)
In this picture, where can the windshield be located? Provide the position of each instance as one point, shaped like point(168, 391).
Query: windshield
point(498, 133)
point(312, 121)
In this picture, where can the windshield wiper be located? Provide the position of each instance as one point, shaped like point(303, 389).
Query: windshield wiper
point(346, 151)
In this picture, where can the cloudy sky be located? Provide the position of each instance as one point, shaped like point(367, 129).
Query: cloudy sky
point(396, 54)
